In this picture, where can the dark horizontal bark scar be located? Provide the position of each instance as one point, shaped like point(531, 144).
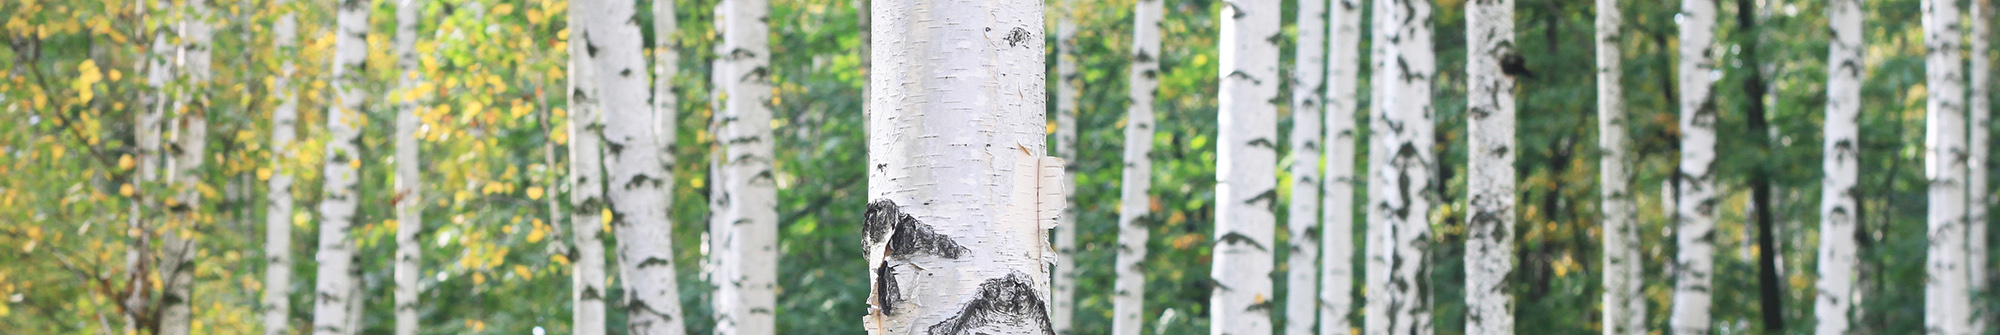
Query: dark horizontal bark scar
point(1000, 302)
point(906, 236)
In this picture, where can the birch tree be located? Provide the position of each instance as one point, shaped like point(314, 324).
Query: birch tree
point(1695, 207)
point(1838, 292)
point(185, 157)
point(586, 174)
point(1624, 302)
point(744, 227)
point(337, 284)
point(278, 205)
point(1982, 123)
point(409, 184)
point(652, 294)
point(1946, 297)
point(1308, 85)
point(1399, 181)
point(1245, 188)
point(1067, 81)
point(957, 241)
point(1128, 301)
point(1490, 227)
point(150, 158)
point(1337, 236)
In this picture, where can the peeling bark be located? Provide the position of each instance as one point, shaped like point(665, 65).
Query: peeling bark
point(1839, 233)
point(1695, 211)
point(1128, 301)
point(743, 230)
point(337, 283)
point(1401, 136)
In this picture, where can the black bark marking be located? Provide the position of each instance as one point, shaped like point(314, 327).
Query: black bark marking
point(886, 294)
point(1016, 36)
point(655, 261)
point(1239, 238)
point(907, 236)
point(1003, 301)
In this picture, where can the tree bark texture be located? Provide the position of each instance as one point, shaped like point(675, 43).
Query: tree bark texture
point(338, 271)
point(1696, 202)
point(1489, 262)
point(743, 230)
point(1336, 289)
point(1135, 205)
point(1401, 167)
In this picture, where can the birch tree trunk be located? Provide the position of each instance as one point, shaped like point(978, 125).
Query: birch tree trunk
point(957, 242)
point(1839, 242)
point(1337, 235)
point(409, 184)
point(336, 283)
point(1067, 81)
point(1489, 259)
point(1695, 207)
point(178, 244)
point(652, 295)
point(1982, 123)
point(1624, 300)
point(1402, 165)
point(1946, 304)
point(1128, 301)
point(745, 198)
point(586, 173)
point(1247, 160)
point(1302, 224)
point(278, 214)
point(148, 129)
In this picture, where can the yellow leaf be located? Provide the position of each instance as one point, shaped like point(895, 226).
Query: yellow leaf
point(503, 9)
point(560, 259)
point(560, 136)
point(534, 193)
point(125, 162)
point(125, 190)
point(478, 278)
point(523, 272)
point(263, 173)
point(536, 235)
point(300, 219)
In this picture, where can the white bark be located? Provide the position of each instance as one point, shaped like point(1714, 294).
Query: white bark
point(278, 213)
point(1489, 259)
point(1067, 82)
point(586, 173)
point(1128, 301)
point(1308, 84)
point(744, 226)
point(1982, 123)
point(1838, 292)
point(1695, 211)
point(185, 156)
point(1623, 299)
point(1946, 303)
point(409, 190)
point(1337, 235)
point(1403, 164)
point(1245, 188)
point(337, 293)
point(652, 295)
point(956, 111)
point(150, 159)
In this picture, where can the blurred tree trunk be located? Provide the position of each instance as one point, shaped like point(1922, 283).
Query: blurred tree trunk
point(1624, 301)
point(1067, 81)
point(1771, 290)
point(586, 174)
point(1308, 84)
point(1947, 303)
point(337, 284)
point(1489, 259)
point(1337, 232)
point(278, 214)
point(1839, 234)
point(957, 243)
point(652, 301)
point(1982, 123)
point(1135, 206)
point(744, 227)
point(409, 194)
point(1246, 187)
point(1696, 204)
point(178, 236)
point(1401, 167)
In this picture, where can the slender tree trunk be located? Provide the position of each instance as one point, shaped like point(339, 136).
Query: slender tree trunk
point(1946, 304)
point(278, 216)
point(586, 172)
point(1489, 259)
point(138, 259)
point(1623, 300)
point(1308, 84)
point(1128, 301)
point(1245, 187)
point(652, 294)
point(1337, 235)
point(1695, 207)
point(1067, 82)
point(409, 185)
point(1769, 287)
point(338, 263)
point(1402, 165)
point(1839, 233)
point(745, 198)
point(185, 156)
point(958, 243)
point(1982, 123)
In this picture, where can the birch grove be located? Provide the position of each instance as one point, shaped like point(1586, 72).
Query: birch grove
point(958, 244)
point(338, 279)
point(277, 303)
point(1307, 84)
point(1135, 218)
point(1336, 300)
point(1623, 301)
point(1694, 218)
point(1400, 167)
point(1947, 305)
point(1839, 293)
point(1067, 80)
point(1489, 259)
point(1246, 187)
point(743, 231)
point(409, 186)
point(586, 176)
point(652, 292)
